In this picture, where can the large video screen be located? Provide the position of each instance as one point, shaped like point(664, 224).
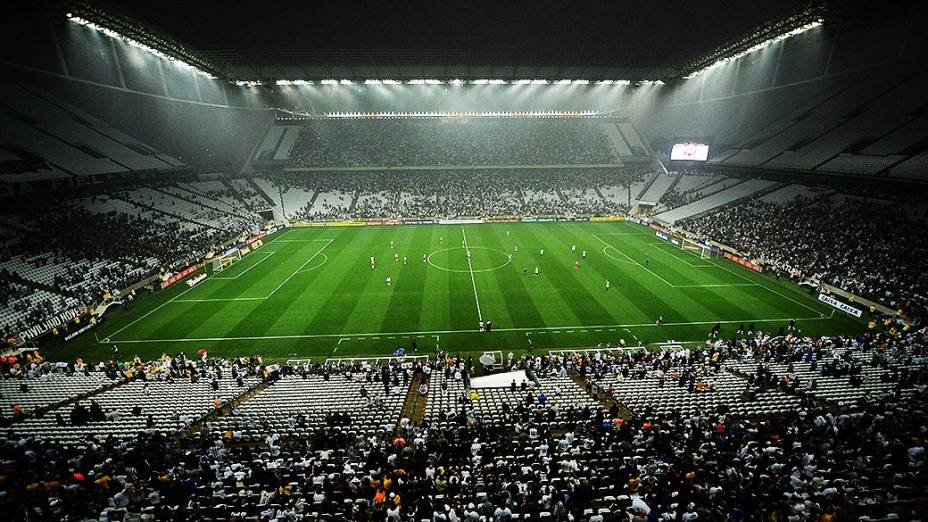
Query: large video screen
point(689, 152)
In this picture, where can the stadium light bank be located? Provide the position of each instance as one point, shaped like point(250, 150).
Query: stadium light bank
point(466, 114)
point(756, 47)
point(137, 44)
point(453, 82)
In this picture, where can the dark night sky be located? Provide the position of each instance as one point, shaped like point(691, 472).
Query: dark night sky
point(630, 32)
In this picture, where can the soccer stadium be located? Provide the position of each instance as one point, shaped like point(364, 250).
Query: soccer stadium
point(489, 262)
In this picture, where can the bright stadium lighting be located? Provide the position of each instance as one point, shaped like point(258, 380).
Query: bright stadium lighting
point(345, 82)
point(457, 82)
point(329, 82)
point(562, 82)
point(539, 82)
point(391, 82)
point(581, 82)
point(522, 82)
point(146, 39)
point(373, 82)
point(809, 16)
point(622, 82)
point(283, 82)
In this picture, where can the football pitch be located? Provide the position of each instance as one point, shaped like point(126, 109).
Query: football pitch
point(312, 293)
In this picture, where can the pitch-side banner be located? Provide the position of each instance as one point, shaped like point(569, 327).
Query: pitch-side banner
point(844, 307)
point(460, 221)
point(178, 276)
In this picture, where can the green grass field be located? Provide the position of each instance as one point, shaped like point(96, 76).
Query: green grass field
point(311, 292)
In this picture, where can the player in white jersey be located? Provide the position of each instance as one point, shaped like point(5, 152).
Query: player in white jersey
point(389, 281)
point(608, 284)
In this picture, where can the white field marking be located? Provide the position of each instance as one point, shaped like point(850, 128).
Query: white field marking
point(681, 258)
point(220, 299)
point(433, 265)
point(471, 269)
point(377, 335)
point(325, 259)
point(720, 285)
point(149, 313)
point(177, 296)
point(295, 272)
point(807, 307)
point(343, 339)
point(606, 252)
point(636, 262)
point(243, 272)
point(302, 240)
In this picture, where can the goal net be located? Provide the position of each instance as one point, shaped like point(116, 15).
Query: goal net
point(226, 260)
point(698, 249)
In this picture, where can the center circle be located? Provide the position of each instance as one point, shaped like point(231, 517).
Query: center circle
point(505, 260)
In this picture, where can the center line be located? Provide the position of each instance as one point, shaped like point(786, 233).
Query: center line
point(470, 269)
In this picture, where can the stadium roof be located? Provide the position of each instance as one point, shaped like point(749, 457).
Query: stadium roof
point(634, 39)
point(353, 40)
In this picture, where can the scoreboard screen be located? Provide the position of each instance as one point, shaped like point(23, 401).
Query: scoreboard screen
point(689, 152)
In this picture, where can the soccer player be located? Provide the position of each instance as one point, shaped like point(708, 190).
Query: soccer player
point(480, 324)
point(389, 281)
point(510, 258)
point(660, 320)
point(372, 262)
point(524, 270)
point(541, 252)
point(515, 248)
point(576, 265)
point(468, 254)
point(583, 254)
point(573, 248)
point(391, 243)
point(536, 270)
point(647, 259)
point(396, 257)
point(404, 260)
point(424, 259)
point(608, 284)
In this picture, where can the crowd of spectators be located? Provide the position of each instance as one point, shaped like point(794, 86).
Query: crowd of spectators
point(100, 253)
point(446, 142)
point(867, 248)
point(452, 193)
point(821, 462)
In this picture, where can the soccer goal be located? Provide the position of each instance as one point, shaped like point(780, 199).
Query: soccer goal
point(702, 250)
point(226, 260)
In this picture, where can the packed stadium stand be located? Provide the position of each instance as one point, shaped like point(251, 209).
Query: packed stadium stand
point(129, 163)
